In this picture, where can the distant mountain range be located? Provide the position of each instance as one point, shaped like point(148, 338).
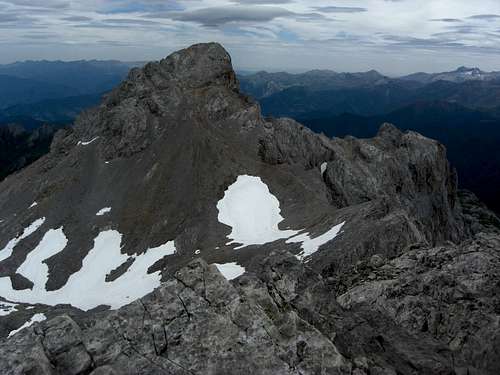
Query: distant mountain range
point(55, 91)
point(82, 77)
point(323, 93)
point(263, 84)
point(54, 111)
point(461, 109)
point(462, 74)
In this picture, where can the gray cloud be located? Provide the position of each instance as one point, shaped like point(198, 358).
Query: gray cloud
point(101, 25)
point(14, 19)
point(259, 33)
point(485, 17)
point(7, 17)
point(448, 20)
point(430, 43)
point(335, 9)
point(437, 43)
point(76, 19)
point(39, 36)
point(217, 16)
point(130, 21)
point(132, 6)
point(39, 3)
point(262, 2)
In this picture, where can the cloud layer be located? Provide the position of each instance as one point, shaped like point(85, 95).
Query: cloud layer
point(392, 36)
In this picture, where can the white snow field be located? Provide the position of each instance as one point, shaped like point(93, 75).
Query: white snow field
point(6, 252)
point(34, 319)
point(33, 268)
point(252, 212)
point(88, 287)
point(230, 270)
point(103, 211)
point(311, 245)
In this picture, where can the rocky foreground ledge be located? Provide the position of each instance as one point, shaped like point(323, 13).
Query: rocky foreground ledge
point(283, 321)
point(429, 311)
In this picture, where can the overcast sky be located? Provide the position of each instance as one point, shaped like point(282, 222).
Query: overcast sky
point(392, 36)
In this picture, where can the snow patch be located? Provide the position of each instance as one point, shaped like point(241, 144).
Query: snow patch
point(88, 287)
point(311, 245)
point(323, 168)
point(34, 319)
point(86, 143)
point(33, 268)
point(197, 252)
point(6, 252)
point(252, 212)
point(103, 211)
point(34, 204)
point(230, 270)
point(7, 308)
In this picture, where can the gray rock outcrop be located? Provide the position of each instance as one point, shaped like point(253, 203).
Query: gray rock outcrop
point(281, 321)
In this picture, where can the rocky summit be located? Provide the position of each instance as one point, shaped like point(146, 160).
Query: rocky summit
point(175, 230)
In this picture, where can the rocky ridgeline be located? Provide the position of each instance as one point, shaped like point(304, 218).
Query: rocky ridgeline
point(408, 286)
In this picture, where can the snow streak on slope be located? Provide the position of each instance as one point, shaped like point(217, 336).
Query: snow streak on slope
point(34, 319)
point(88, 287)
point(33, 267)
point(32, 228)
point(311, 245)
point(86, 143)
point(323, 168)
point(230, 270)
point(252, 212)
point(103, 211)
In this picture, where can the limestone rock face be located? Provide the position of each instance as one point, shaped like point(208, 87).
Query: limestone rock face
point(198, 322)
point(449, 293)
point(198, 80)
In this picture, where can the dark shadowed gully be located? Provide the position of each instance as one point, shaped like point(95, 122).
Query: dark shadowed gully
point(175, 230)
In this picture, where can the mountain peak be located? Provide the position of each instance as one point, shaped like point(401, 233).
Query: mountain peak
point(197, 79)
point(197, 66)
point(465, 69)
